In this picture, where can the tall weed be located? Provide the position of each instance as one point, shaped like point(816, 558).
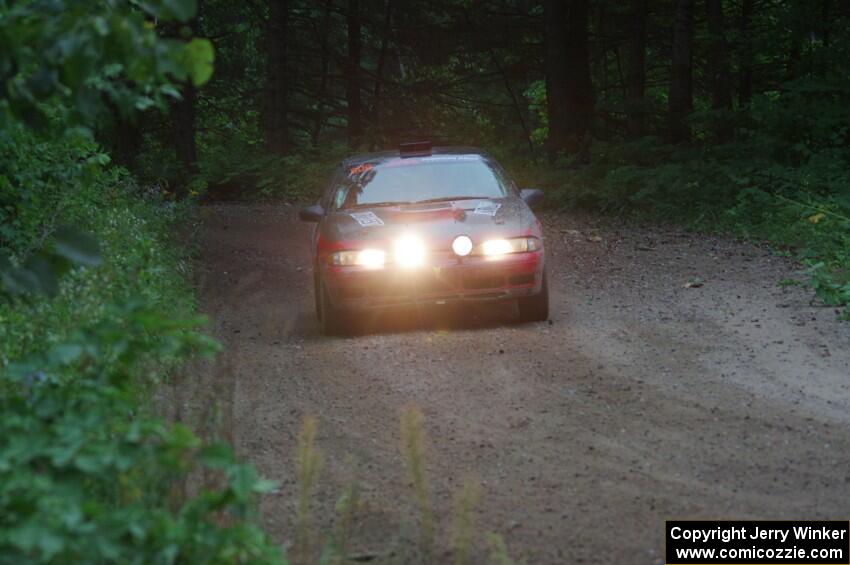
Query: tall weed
point(308, 464)
point(466, 505)
point(413, 452)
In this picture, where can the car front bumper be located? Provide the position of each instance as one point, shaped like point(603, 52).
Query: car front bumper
point(447, 281)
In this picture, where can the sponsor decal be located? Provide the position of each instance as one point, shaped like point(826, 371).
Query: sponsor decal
point(407, 161)
point(438, 158)
point(487, 208)
point(360, 169)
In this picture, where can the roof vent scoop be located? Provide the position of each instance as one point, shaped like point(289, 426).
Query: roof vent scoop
point(415, 149)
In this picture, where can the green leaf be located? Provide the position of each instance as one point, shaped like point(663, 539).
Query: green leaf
point(183, 10)
point(216, 456)
point(43, 273)
point(265, 485)
point(16, 281)
point(144, 102)
point(200, 56)
point(65, 353)
point(77, 247)
point(170, 90)
point(243, 481)
point(101, 159)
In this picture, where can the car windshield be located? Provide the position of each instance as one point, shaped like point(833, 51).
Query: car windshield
point(425, 179)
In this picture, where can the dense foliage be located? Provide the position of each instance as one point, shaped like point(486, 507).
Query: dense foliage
point(729, 114)
point(89, 266)
point(784, 178)
point(87, 476)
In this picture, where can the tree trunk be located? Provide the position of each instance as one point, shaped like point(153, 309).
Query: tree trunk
point(569, 91)
point(128, 139)
point(637, 70)
point(379, 70)
point(514, 98)
point(745, 80)
point(826, 22)
point(183, 114)
point(721, 96)
point(579, 100)
point(826, 35)
point(680, 100)
point(795, 48)
point(500, 69)
point(601, 57)
point(323, 81)
point(555, 16)
point(277, 78)
point(352, 76)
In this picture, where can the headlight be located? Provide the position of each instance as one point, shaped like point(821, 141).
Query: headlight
point(409, 252)
point(498, 247)
point(369, 258)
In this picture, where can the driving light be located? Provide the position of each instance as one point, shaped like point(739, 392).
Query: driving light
point(369, 258)
point(409, 251)
point(499, 247)
point(462, 245)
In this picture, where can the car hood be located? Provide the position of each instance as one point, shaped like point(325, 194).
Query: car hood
point(436, 222)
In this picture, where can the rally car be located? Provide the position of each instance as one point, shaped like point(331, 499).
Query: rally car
point(425, 226)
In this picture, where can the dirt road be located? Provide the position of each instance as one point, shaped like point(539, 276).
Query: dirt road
point(644, 398)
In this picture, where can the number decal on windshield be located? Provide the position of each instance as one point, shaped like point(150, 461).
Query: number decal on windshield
point(367, 219)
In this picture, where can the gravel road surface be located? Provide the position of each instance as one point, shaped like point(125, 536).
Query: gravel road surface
point(677, 378)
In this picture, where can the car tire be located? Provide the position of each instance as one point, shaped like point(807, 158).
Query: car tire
point(332, 320)
point(535, 308)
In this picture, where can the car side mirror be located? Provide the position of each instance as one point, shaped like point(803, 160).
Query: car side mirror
point(531, 196)
point(312, 213)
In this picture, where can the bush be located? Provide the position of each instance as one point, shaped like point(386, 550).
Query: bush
point(784, 179)
point(87, 472)
point(243, 163)
point(86, 476)
point(63, 182)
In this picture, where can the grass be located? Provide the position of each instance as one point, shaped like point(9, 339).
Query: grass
point(464, 543)
point(498, 550)
point(413, 452)
point(466, 504)
point(308, 463)
point(346, 507)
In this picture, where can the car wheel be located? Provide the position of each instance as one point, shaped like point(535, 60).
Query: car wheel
point(332, 320)
point(535, 308)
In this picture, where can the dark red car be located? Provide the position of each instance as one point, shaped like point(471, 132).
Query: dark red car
point(423, 226)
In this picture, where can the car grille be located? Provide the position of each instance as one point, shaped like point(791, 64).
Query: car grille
point(483, 281)
point(433, 284)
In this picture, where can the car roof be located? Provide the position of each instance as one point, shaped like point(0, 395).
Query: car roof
point(383, 156)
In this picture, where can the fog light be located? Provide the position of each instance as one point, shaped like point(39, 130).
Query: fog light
point(462, 245)
point(409, 252)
